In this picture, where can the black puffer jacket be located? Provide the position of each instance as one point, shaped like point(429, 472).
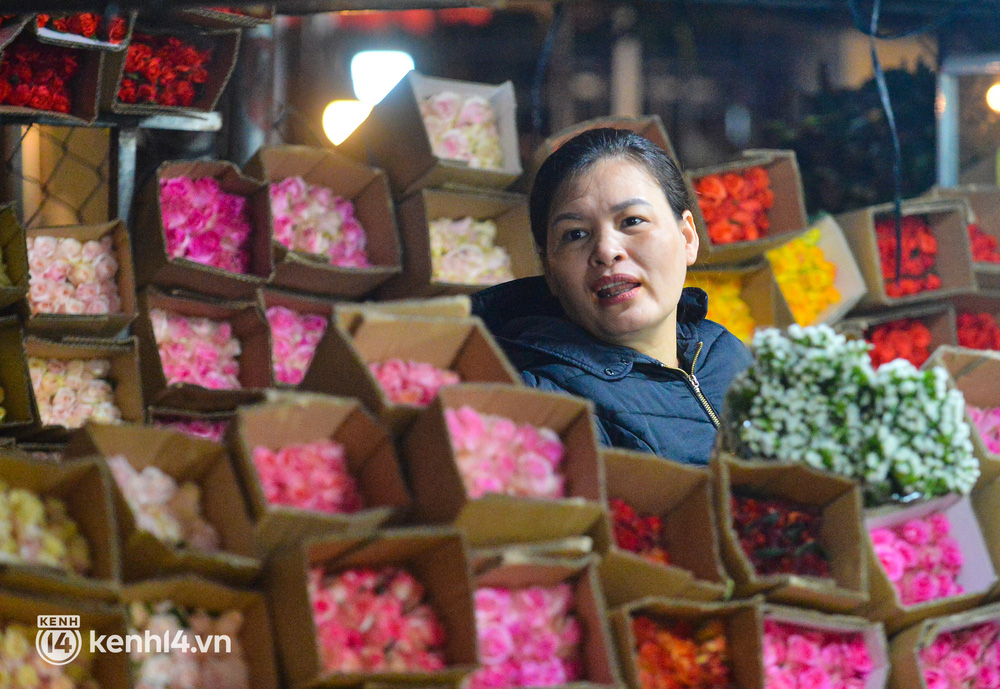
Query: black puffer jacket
point(640, 403)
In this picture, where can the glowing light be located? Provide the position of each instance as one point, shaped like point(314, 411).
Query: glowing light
point(341, 117)
point(375, 72)
point(993, 98)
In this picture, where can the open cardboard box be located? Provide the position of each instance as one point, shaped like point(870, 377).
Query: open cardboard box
point(186, 460)
point(51, 453)
point(194, 593)
point(124, 376)
point(371, 461)
point(600, 666)
point(508, 211)
point(153, 265)
point(365, 187)
point(439, 491)
point(984, 209)
point(680, 494)
point(54, 325)
point(100, 41)
point(395, 139)
point(743, 625)
point(249, 327)
point(299, 303)
point(435, 557)
point(977, 576)
point(977, 303)
point(14, 255)
point(162, 417)
point(841, 533)
point(355, 340)
point(948, 220)
point(84, 487)
point(15, 381)
point(759, 290)
point(939, 317)
point(905, 647)
point(848, 281)
point(787, 216)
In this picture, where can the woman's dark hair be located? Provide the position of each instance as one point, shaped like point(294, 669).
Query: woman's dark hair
point(594, 145)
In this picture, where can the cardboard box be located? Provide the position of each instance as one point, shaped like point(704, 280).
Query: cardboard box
point(978, 574)
point(948, 222)
point(841, 532)
point(54, 325)
point(682, 496)
point(249, 327)
point(153, 265)
point(939, 317)
point(508, 211)
point(439, 492)
point(395, 139)
point(435, 557)
point(162, 417)
point(905, 647)
point(848, 281)
point(40, 452)
point(984, 209)
point(351, 343)
point(18, 395)
point(195, 593)
point(365, 187)
point(743, 624)
point(455, 306)
point(124, 376)
point(299, 303)
point(84, 487)
point(225, 46)
point(371, 461)
point(976, 303)
point(253, 15)
point(14, 254)
point(787, 215)
point(99, 41)
point(600, 666)
point(760, 292)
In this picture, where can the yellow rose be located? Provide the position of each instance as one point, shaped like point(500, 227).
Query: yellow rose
point(15, 644)
point(26, 508)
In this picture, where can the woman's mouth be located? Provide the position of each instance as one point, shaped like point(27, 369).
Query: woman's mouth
point(615, 289)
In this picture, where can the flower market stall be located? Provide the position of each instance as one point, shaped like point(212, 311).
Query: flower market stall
point(253, 424)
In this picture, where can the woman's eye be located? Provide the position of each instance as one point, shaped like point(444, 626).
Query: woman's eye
point(632, 221)
point(574, 235)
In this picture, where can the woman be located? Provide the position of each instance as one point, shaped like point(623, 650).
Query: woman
point(612, 321)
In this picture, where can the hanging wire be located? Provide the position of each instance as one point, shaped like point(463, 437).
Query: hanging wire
point(541, 68)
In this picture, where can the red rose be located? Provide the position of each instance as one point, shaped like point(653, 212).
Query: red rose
point(152, 69)
point(5, 90)
point(119, 28)
point(23, 74)
point(41, 98)
point(127, 91)
point(60, 103)
point(185, 93)
point(138, 53)
point(42, 20)
point(199, 75)
point(147, 93)
point(21, 95)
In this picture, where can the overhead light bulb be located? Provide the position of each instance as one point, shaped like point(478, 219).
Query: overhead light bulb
point(341, 117)
point(375, 72)
point(993, 97)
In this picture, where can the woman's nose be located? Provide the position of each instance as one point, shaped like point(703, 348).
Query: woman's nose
point(607, 250)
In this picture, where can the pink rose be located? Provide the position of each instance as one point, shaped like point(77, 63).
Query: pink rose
point(69, 249)
point(495, 643)
point(779, 678)
point(939, 524)
point(958, 667)
point(444, 105)
point(916, 532)
point(491, 604)
point(546, 673)
point(802, 650)
point(919, 587)
point(814, 678)
point(891, 560)
point(44, 247)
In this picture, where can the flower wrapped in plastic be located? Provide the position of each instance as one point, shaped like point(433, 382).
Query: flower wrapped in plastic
point(462, 251)
point(463, 129)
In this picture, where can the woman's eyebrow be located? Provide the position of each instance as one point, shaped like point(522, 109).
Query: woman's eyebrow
point(567, 216)
point(619, 207)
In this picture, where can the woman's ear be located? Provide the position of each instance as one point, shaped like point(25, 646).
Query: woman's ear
point(690, 232)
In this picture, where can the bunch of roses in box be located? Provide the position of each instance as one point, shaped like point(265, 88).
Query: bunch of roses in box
point(67, 276)
point(907, 338)
point(920, 558)
point(682, 653)
point(812, 396)
point(86, 24)
point(22, 663)
point(69, 392)
point(462, 252)
point(527, 638)
point(220, 666)
point(463, 129)
point(735, 204)
point(196, 428)
point(779, 536)
point(987, 422)
point(310, 476)
point(309, 218)
point(978, 330)
point(967, 658)
point(198, 351)
point(725, 302)
point(374, 620)
point(40, 531)
point(204, 224)
point(159, 506)
point(496, 455)
point(411, 382)
point(294, 337)
point(919, 256)
point(984, 246)
point(39, 76)
point(805, 276)
point(163, 70)
point(642, 534)
point(796, 656)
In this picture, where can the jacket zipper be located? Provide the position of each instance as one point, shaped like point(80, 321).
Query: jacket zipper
point(692, 380)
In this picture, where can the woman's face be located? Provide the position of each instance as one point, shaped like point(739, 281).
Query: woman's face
point(616, 255)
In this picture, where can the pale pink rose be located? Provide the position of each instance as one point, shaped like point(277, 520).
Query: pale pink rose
point(74, 307)
point(69, 249)
point(90, 250)
point(44, 247)
point(82, 272)
point(444, 105)
point(454, 144)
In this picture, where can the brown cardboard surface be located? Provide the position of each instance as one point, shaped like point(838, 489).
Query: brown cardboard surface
point(340, 366)
point(370, 455)
point(508, 211)
point(787, 215)
point(435, 557)
point(841, 532)
point(394, 137)
point(948, 221)
point(14, 254)
point(155, 414)
point(438, 490)
point(455, 306)
point(84, 487)
point(268, 297)
point(54, 325)
point(682, 496)
point(124, 376)
point(599, 661)
point(366, 187)
point(939, 317)
point(185, 459)
point(760, 292)
point(984, 207)
point(195, 593)
point(154, 266)
point(743, 634)
point(18, 395)
point(68, 40)
point(249, 327)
